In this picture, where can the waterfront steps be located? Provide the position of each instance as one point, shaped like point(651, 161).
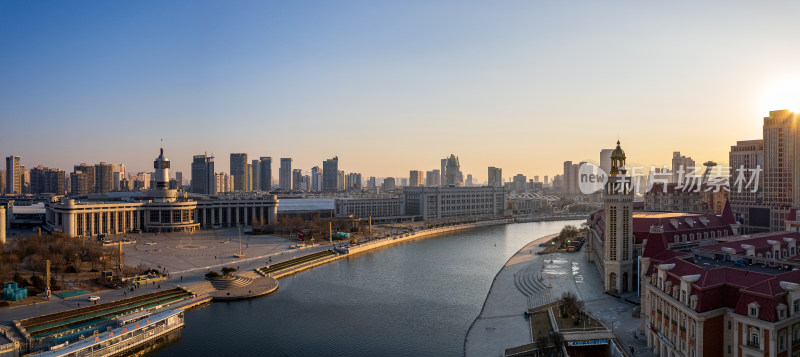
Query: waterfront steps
point(233, 282)
point(277, 267)
point(200, 288)
point(527, 281)
point(42, 326)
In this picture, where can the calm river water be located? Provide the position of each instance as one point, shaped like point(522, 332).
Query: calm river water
point(412, 299)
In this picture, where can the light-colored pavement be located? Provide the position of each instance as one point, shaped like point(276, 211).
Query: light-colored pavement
point(186, 258)
point(502, 324)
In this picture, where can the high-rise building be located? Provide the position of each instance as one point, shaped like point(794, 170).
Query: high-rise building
point(619, 260)
point(80, 183)
point(265, 176)
point(13, 176)
point(519, 183)
point(495, 176)
point(340, 183)
point(546, 182)
point(117, 174)
point(47, 180)
point(103, 177)
point(285, 174)
point(469, 182)
point(453, 172)
point(781, 165)
point(2, 182)
point(316, 179)
point(88, 170)
point(353, 181)
point(330, 174)
point(203, 178)
point(179, 178)
point(26, 179)
point(747, 203)
point(566, 180)
point(142, 181)
point(605, 160)
point(388, 184)
point(443, 172)
point(239, 171)
point(415, 178)
point(433, 178)
point(252, 176)
point(372, 183)
point(682, 166)
point(223, 182)
point(297, 176)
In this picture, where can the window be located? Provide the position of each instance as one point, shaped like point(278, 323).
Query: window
point(729, 324)
point(781, 342)
point(796, 306)
point(754, 338)
point(752, 309)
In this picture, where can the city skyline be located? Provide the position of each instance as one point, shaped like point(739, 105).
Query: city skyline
point(505, 84)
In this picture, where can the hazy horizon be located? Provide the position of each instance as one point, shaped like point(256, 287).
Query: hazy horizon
point(391, 87)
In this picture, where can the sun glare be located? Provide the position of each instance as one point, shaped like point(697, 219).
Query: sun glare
point(784, 94)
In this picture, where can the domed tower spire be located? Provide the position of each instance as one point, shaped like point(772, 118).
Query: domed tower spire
point(617, 161)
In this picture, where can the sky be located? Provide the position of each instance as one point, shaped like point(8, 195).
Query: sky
point(390, 87)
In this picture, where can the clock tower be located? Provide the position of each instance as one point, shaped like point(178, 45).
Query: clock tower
point(619, 240)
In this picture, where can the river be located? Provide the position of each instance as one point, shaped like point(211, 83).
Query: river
point(412, 299)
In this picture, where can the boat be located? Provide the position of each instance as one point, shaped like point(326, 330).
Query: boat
point(133, 331)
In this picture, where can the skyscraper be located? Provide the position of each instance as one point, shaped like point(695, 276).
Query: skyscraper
point(495, 176)
point(2, 182)
point(340, 184)
point(103, 177)
point(80, 183)
point(297, 177)
point(605, 160)
point(415, 178)
point(179, 178)
point(781, 166)
point(87, 170)
point(433, 178)
point(443, 173)
point(684, 164)
point(239, 171)
point(47, 180)
point(203, 179)
point(747, 203)
point(316, 178)
point(265, 176)
point(13, 176)
point(285, 174)
point(453, 171)
point(330, 174)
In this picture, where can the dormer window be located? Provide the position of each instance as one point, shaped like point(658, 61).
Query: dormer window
point(781, 311)
point(752, 309)
point(683, 296)
point(693, 302)
point(796, 306)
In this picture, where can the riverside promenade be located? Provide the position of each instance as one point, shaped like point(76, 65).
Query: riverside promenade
point(517, 287)
point(502, 323)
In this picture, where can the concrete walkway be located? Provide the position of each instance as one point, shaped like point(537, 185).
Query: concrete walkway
point(501, 324)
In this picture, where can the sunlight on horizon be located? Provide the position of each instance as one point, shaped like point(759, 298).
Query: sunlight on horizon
point(784, 94)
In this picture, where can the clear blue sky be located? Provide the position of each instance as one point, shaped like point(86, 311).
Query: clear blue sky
point(388, 86)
